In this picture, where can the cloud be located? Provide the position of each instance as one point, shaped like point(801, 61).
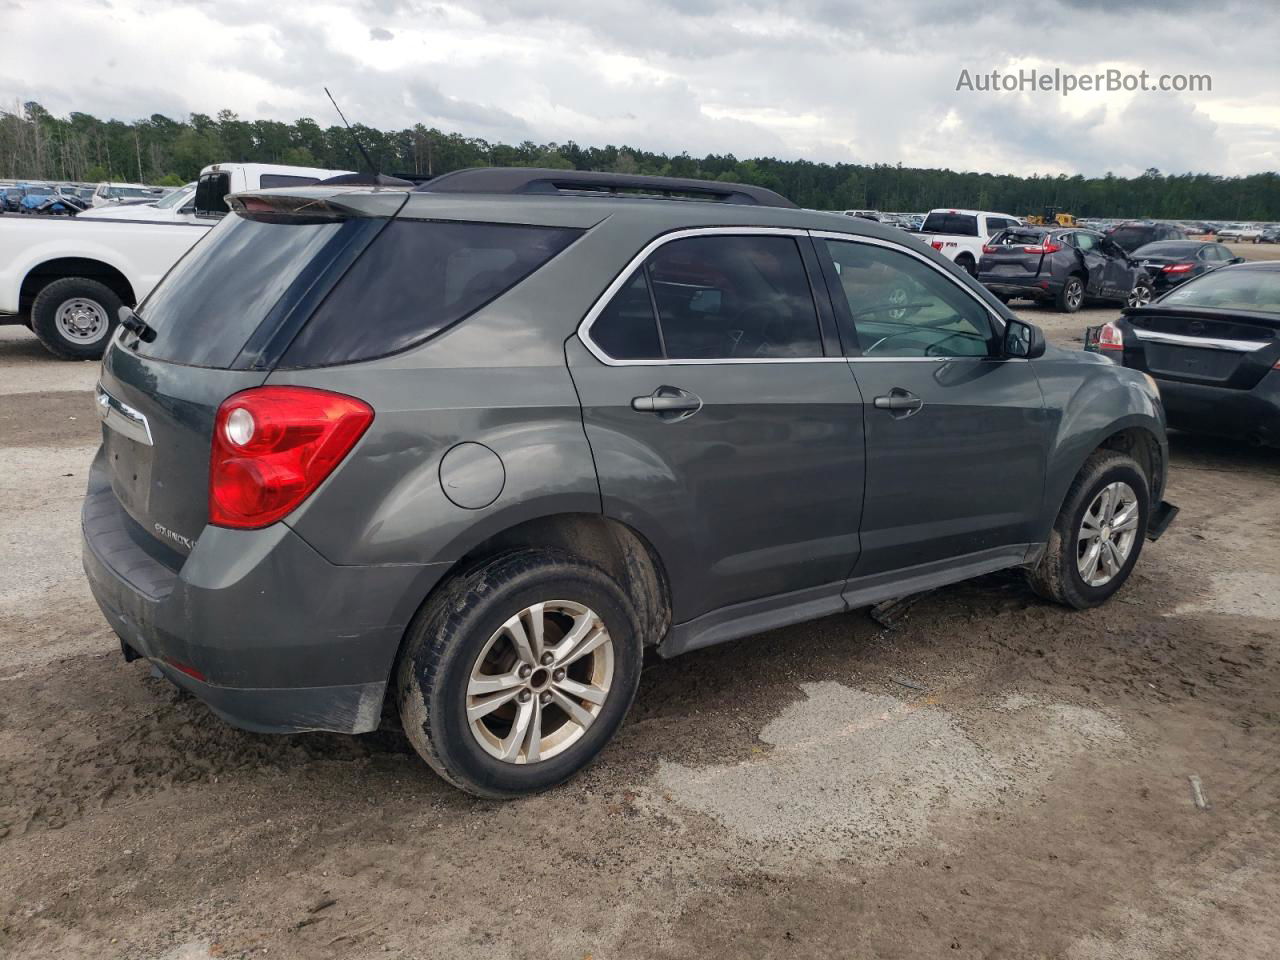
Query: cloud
point(835, 80)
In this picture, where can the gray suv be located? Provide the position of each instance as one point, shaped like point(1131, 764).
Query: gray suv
point(475, 445)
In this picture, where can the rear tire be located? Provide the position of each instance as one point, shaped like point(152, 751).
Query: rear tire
point(461, 654)
point(966, 263)
point(1059, 575)
point(1071, 296)
point(74, 317)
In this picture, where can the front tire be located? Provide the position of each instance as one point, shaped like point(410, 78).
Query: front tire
point(1098, 535)
point(74, 317)
point(516, 674)
point(1140, 295)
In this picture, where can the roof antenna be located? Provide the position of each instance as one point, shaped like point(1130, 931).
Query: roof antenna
point(360, 146)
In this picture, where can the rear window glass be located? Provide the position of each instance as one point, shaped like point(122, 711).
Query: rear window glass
point(1169, 248)
point(210, 302)
point(417, 279)
point(1230, 288)
point(627, 328)
point(958, 224)
point(1010, 238)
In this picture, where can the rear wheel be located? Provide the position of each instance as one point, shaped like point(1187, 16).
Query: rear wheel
point(518, 673)
point(1098, 535)
point(74, 317)
point(1071, 296)
point(965, 262)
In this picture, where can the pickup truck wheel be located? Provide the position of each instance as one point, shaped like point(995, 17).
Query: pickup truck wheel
point(1098, 535)
point(1071, 296)
point(515, 675)
point(74, 317)
point(965, 263)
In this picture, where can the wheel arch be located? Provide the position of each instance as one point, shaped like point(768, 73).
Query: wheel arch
point(59, 268)
point(618, 549)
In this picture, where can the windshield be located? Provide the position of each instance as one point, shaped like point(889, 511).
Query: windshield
point(177, 198)
point(1232, 289)
point(209, 304)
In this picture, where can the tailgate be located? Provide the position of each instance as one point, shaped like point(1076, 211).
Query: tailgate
point(157, 435)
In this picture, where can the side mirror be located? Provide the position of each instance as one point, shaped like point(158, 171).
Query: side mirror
point(1236, 260)
point(188, 208)
point(1023, 340)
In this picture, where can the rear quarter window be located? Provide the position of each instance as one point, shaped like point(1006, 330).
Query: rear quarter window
point(417, 279)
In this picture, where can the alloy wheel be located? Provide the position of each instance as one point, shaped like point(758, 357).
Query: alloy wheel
point(1108, 532)
point(540, 682)
point(1139, 296)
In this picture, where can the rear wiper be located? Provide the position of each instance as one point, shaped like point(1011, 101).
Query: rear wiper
point(136, 325)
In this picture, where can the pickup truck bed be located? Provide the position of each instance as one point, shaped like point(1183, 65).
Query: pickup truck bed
point(67, 279)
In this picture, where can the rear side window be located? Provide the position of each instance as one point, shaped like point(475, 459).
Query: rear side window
point(214, 298)
point(956, 224)
point(284, 180)
point(417, 279)
point(1018, 237)
point(716, 298)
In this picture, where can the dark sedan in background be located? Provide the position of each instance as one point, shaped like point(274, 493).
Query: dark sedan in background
point(1171, 262)
point(1213, 344)
point(1063, 266)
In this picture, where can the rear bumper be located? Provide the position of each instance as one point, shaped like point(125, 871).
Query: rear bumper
point(255, 623)
point(1252, 415)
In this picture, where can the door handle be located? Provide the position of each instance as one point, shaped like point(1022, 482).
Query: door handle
point(899, 402)
point(670, 403)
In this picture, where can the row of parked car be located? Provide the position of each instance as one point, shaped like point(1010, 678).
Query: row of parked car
point(69, 199)
point(1238, 232)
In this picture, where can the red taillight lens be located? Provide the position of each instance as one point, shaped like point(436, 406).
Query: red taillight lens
point(1110, 337)
point(988, 248)
point(1177, 268)
point(1042, 248)
point(272, 446)
point(937, 245)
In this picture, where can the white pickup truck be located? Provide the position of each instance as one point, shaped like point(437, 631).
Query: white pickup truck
point(959, 235)
point(67, 278)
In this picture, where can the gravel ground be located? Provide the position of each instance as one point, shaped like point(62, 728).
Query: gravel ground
point(994, 777)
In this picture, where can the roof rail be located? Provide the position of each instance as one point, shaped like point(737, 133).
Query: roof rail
point(529, 180)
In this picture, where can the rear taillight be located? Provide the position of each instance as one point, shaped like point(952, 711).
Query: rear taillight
point(988, 248)
point(1176, 268)
point(1042, 248)
point(1110, 337)
point(272, 446)
point(937, 245)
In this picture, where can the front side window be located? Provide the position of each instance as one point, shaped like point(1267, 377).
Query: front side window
point(715, 298)
point(1087, 241)
point(902, 307)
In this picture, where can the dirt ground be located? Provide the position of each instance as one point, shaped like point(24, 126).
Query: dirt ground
point(996, 777)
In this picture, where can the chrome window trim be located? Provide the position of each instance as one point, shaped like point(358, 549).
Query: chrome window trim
point(1211, 343)
point(584, 328)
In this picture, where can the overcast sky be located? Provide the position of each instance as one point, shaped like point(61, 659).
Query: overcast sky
point(834, 80)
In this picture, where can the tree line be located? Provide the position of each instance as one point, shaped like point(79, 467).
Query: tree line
point(35, 144)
